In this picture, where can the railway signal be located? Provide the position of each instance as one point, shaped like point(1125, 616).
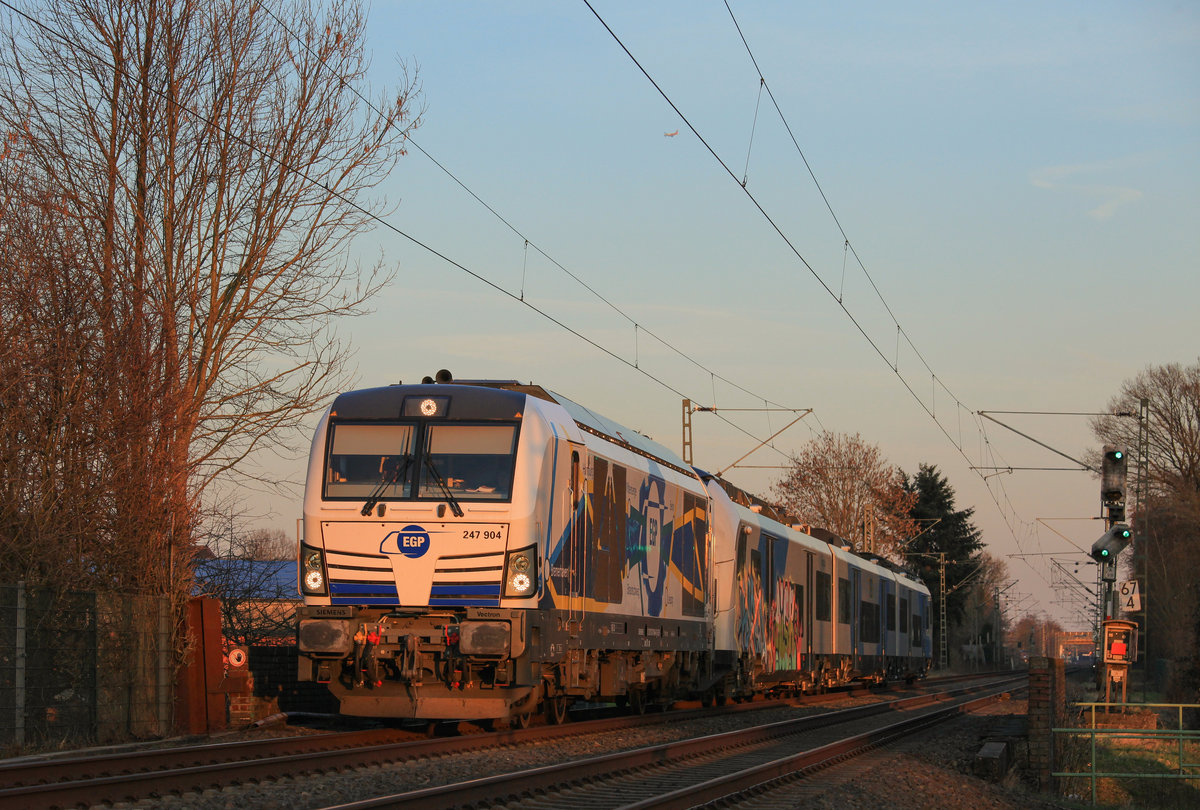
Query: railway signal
point(1112, 481)
point(1108, 547)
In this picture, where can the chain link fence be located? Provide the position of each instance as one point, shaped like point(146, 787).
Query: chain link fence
point(83, 668)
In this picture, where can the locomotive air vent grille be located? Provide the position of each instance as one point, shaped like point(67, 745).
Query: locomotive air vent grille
point(467, 579)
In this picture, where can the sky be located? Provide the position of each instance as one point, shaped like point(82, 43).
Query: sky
point(905, 215)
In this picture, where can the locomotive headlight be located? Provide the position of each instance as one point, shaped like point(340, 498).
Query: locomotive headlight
point(313, 580)
point(312, 571)
point(521, 574)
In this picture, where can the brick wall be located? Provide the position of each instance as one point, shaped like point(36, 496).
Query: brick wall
point(267, 685)
point(1047, 709)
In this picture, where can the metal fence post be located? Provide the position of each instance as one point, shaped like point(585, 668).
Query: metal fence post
point(165, 679)
point(19, 673)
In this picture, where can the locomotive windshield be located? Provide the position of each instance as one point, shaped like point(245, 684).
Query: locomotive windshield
point(475, 461)
point(369, 461)
point(455, 461)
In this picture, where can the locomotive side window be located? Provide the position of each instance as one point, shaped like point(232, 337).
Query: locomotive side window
point(369, 459)
point(475, 461)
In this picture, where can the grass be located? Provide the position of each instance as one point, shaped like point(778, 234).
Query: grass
point(1152, 761)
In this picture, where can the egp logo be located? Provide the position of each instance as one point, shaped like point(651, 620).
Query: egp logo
point(411, 541)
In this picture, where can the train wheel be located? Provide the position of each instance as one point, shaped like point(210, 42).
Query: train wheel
point(556, 709)
point(637, 701)
point(520, 720)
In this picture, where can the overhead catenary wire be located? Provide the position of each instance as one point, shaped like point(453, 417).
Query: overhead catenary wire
point(637, 326)
point(796, 252)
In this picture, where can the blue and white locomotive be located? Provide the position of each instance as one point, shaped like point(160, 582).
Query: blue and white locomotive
point(488, 550)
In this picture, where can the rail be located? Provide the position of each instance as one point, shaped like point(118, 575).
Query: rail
point(1177, 739)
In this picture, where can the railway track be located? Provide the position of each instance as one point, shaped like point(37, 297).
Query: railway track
point(694, 772)
point(131, 775)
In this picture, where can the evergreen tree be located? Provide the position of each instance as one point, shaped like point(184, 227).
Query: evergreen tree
point(944, 530)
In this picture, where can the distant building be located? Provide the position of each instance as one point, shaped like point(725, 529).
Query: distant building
point(258, 598)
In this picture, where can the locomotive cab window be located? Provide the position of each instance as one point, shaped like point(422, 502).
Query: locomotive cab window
point(474, 462)
point(366, 460)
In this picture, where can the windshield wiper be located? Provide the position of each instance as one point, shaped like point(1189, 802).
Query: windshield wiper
point(377, 494)
point(437, 477)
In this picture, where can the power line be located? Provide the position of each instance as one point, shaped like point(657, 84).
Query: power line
point(518, 298)
point(529, 243)
point(791, 246)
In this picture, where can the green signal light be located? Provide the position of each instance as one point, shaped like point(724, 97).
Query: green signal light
point(1104, 552)
point(1118, 455)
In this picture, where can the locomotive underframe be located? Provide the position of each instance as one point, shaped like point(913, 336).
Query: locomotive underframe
point(490, 663)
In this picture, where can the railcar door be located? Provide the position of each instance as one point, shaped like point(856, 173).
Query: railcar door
point(810, 589)
point(577, 541)
point(855, 617)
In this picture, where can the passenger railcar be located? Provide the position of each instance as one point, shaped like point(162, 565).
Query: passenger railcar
point(796, 613)
point(483, 550)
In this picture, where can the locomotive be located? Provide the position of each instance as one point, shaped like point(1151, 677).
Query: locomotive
point(487, 550)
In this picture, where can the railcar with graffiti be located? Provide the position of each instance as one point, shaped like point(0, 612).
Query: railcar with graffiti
point(794, 612)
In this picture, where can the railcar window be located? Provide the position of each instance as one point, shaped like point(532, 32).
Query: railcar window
point(475, 461)
point(843, 600)
point(903, 615)
point(369, 459)
point(823, 609)
point(891, 612)
point(868, 622)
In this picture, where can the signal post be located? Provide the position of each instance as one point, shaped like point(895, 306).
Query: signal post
point(1118, 648)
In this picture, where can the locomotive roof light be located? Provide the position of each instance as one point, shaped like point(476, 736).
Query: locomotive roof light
point(425, 406)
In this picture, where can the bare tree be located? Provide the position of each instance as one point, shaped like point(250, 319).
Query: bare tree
point(1035, 635)
point(837, 479)
point(1167, 524)
point(270, 544)
point(1172, 393)
point(208, 164)
point(252, 575)
point(975, 637)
